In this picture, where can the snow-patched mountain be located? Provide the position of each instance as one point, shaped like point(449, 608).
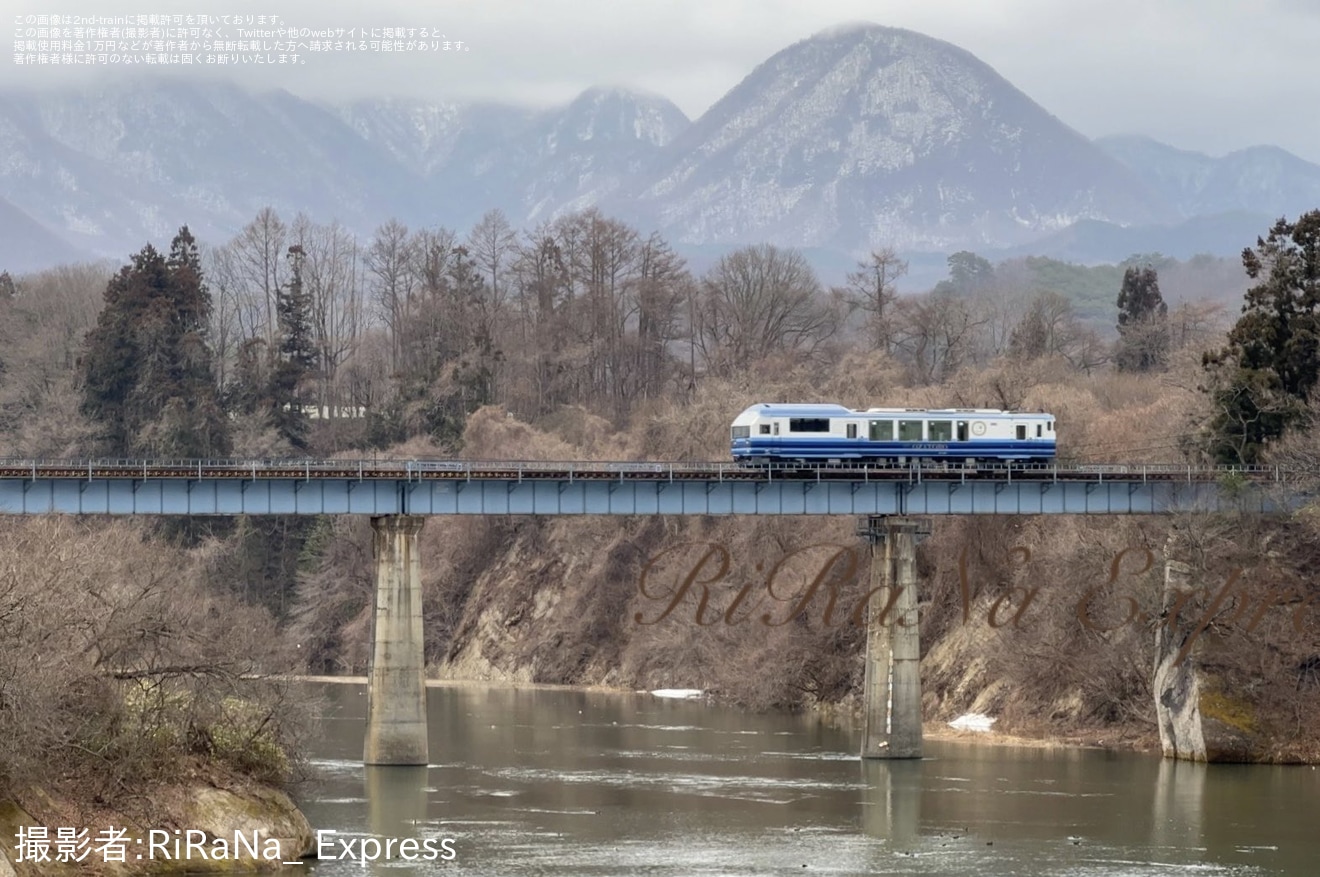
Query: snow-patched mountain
point(1260, 179)
point(577, 157)
point(430, 137)
point(533, 165)
point(112, 168)
point(857, 137)
point(867, 135)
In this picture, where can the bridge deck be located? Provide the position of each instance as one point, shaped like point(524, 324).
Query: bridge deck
point(227, 487)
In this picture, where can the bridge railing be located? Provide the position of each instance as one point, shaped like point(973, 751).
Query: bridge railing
point(419, 469)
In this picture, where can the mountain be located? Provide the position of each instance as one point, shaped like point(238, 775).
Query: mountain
point(858, 137)
point(1092, 242)
point(110, 169)
point(1260, 179)
point(866, 135)
point(578, 157)
point(27, 245)
point(533, 165)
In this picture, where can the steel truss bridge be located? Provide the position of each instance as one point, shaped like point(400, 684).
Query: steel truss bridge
point(430, 487)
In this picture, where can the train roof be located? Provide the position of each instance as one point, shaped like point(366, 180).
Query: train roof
point(800, 409)
point(938, 410)
point(818, 409)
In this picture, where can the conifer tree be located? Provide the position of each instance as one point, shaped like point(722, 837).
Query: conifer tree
point(1143, 326)
point(1261, 381)
point(147, 377)
point(297, 355)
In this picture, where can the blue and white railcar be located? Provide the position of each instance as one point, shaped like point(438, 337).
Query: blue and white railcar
point(769, 432)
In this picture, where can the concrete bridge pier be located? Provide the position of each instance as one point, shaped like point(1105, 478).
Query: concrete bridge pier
point(396, 678)
point(892, 690)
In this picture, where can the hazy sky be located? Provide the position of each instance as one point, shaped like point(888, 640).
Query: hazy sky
point(1211, 75)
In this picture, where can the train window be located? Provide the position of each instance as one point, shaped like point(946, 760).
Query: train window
point(742, 432)
point(1021, 431)
point(910, 430)
point(1038, 430)
point(882, 430)
point(962, 430)
point(852, 430)
point(809, 424)
point(775, 425)
point(941, 430)
point(765, 429)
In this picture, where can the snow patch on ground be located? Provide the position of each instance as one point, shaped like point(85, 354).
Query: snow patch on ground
point(972, 722)
point(687, 693)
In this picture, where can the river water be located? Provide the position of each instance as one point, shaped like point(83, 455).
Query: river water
point(570, 782)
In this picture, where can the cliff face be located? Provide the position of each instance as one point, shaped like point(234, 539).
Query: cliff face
point(768, 614)
point(1204, 711)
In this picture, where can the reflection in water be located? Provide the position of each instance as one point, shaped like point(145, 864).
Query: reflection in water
point(396, 803)
point(1179, 797)
point(891, 800)
point(562, 782)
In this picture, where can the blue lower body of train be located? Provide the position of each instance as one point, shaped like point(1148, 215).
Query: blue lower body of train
point(780, 449)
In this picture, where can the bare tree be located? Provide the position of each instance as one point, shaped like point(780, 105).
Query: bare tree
point(390, 265)
point(757, 302)
point(871, 289)
point(1196, 324)
point(333, 278)
point(544, 290)
point(1048, 328)
point(602, 260)
point(937, 334)
point(493, 244)
point(658, 294)
point(258, 254)
point(42, 326)
point(1006, 303)
point(225, 327)
point(437, 328)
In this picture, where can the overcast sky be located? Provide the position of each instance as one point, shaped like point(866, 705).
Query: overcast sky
point(1210, 75)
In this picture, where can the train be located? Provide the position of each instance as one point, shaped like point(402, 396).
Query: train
point(812, 433)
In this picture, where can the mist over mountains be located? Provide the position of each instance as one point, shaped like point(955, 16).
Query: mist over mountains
point(858, 137)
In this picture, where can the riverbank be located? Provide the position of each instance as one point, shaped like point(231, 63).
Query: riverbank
point(848, 715)
point(204, 821)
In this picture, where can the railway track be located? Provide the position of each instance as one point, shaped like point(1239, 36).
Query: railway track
point(427, 470)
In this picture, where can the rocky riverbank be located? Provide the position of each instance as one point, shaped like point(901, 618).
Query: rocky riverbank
point(197, 826)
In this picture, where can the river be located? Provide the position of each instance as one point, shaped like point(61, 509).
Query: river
point(569, 782)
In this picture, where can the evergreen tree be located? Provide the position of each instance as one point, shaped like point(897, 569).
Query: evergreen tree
point(1143, 325)
point(1262, 380)
point(970, 273)
point(147, 376)
point(297, 355)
